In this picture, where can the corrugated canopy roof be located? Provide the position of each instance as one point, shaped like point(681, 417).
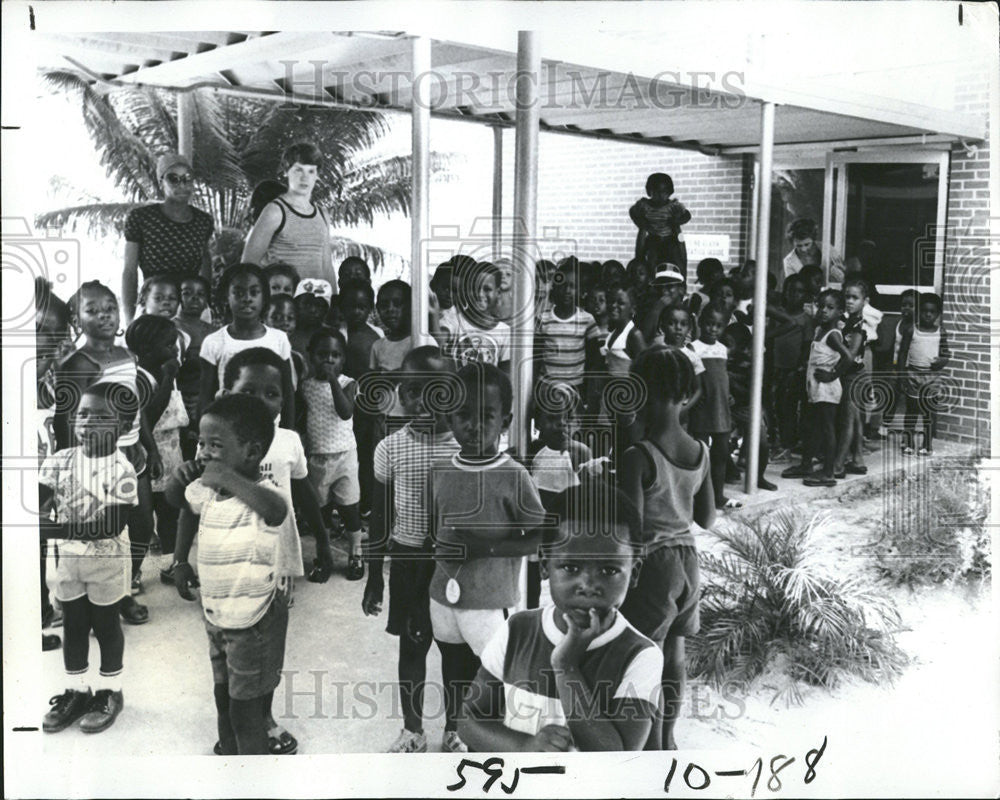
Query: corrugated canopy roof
point(624, 87)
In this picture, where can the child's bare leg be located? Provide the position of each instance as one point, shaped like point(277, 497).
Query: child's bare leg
point(412, 677)
point(227, 738)
point(351, 517)
point(674, 674)
point(248, 719)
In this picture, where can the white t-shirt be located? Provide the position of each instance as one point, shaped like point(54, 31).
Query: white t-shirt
point(218, 347)
point(284, 462)
point(472, 343)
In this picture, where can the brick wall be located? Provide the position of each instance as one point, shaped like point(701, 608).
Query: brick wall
point(586, 186)
point(966, 290)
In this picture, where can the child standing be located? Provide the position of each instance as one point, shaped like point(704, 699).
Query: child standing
point(257, 372)
point(708, 272)
point(281, 315)
point(575, 674)
point(851, 419)
point(281, 279)
point(393, 306)
point(247, 294)
point(554, 459)
point(667, 476)
point(94, 312)
point(478, 336)
point(483, 503)
point(924, 353)
point(710, 420)
point(399, 529)
point(328, 399)
point(789, 337)
point(828, 359)
point(567, 335)
point(246, 613)
point(194, 300)
point(659, 217)
point(887, 356)
point(624, 343)
point(91, 488)
point(675, 327)
point(154, 341)
point(357, 300)
point(739, 367)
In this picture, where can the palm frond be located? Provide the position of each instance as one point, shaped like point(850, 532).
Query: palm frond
point(126, 158)
point(100, 218)
point(768, 605)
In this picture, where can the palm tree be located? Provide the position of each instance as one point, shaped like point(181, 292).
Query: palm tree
point(237, 143)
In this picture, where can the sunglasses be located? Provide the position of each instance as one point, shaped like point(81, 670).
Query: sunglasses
point(177, 180)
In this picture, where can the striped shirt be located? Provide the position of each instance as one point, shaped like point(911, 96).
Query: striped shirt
point(404, 459)
point(300, 241)
point(237, 557)
point(565, 344)
point(621, 663)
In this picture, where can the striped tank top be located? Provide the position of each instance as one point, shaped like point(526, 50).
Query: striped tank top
point(300, 241)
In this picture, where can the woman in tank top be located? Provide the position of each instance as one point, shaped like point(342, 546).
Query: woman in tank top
point(292, 229)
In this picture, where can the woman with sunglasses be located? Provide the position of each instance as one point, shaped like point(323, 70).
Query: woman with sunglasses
point(169, 237)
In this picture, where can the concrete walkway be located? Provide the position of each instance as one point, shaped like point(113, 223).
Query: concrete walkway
point(338, 694)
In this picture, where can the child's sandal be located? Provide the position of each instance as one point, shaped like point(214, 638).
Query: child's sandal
point(283, 744)
point(355, 568)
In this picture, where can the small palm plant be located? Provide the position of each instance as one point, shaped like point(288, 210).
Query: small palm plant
point(766, 604)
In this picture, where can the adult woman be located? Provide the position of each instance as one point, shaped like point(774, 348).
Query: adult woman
point(169, 237)
point(292, 229)
point(804, 235)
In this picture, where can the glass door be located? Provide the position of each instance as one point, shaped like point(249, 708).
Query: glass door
point(887, 211)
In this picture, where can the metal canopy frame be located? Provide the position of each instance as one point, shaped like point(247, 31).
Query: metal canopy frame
point(325, 68)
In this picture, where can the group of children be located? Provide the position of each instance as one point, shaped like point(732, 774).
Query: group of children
point(306, 407)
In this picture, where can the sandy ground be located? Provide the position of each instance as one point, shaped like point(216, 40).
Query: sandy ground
point(339, 696)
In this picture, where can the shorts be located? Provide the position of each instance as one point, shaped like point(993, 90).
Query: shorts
point(410, 572)
point(665, 600)
point(471, 626)
point(250, 659)
point(101, 571)
point(335, 476)
point(136, 455)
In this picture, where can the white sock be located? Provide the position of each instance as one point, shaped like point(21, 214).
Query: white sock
point(80, 681)
point(112, 682)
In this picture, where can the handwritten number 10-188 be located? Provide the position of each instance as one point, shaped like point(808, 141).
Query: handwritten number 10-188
point(697, 777)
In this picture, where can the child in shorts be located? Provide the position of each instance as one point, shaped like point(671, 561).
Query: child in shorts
point(659, 217)
point(574, 675)
point(246, 611)
point(483, 505)
point(91, 489)
point(667, 476)
point(328, 399)
point(400, 529)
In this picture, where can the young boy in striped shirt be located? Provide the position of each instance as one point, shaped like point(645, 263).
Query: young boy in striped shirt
point(246, 614)
point(400, 528)
point(568, 338)
point(574, 675)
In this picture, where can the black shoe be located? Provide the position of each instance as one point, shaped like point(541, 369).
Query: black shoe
point(818, 479)
point(102, 711)
point(798, 471)
point(50, 642)
point(764, 483)
point(132, 612)
point(66, 709)
point(855, 469)
point(167, 575)
point(355, 568)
